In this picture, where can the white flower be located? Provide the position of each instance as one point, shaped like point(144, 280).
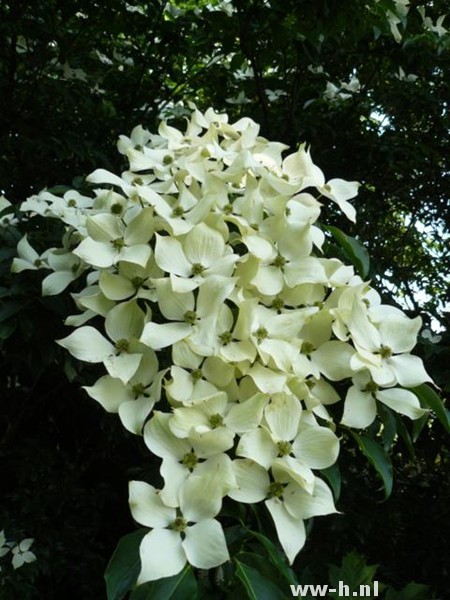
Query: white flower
point(177, 536)
point(360, 403)
point(22, 554)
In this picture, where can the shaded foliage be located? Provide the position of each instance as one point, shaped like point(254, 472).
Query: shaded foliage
point(75, 75)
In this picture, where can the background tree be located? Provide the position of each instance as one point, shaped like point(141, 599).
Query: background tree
point(363, 82)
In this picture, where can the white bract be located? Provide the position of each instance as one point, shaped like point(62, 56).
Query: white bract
point(201, 272)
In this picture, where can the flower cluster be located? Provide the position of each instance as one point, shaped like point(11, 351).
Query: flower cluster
point(225, 328)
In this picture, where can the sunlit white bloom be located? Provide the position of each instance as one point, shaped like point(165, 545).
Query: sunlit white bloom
point(177, 536)
point(28, 258)
point(360, 403)
point(190, 462)
point(208, 296)
point(110, 241)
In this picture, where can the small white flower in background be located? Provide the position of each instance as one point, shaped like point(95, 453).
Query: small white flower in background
point(344, 90)
point(7, 219)
point(438, 28)
point(22, 553)
point(5, 546)
point(431, 337)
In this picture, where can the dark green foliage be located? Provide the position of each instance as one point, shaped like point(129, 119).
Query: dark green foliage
point(74, 75)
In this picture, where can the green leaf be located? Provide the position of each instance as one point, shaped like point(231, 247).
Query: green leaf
point(333, 476)
point(124, 567)
point(405, 435)
point(256, 585)
point(182, 586)
point(429, 399)
point(413, 591)
point(12, 307)
point(276, 557)
point(353, 250)
point(418, 425)
point(7, 329)
point(353, 572)
point(378, 458)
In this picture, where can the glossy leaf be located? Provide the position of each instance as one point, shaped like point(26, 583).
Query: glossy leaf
point(353, 250)
point(179, 587)
point(124, 567)
point(256, 585)
point(429, 399)
point(378, 458)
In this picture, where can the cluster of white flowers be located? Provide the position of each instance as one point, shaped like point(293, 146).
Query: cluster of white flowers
point(224, 328)
point(342, 91)
point(21, 552)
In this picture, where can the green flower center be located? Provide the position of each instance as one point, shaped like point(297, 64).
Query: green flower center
point(310, 383)
point(116, 209)
point(371, 387)
point(38, 262)
point(72, 203)
point(190, 316)
point(196, 374)
point(138, 389)
point(197, 269)
point(189, 460)
point(167, 160)
point(385, 352)
point(118, 243)
point(137, 282)
point(284, 448)
point(277, 303)
point(178, 211)
point(228, 209)
point(279, 261)
point(216, 421)
point(225, 337)
point(261, 333)
point(307, 348)
point(179, 524)
point(121, 346)
point(276, 489)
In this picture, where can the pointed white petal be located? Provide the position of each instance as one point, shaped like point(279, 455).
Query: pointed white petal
point(409, 370)
point(162, 555)
point(402, 401)
point(203, 245)
point(252, 479)
point(283, 417)
point(109, 392)
point(97, 254)
point(159, 336)
point(147, 507)
point(317, 447)
point(134, 413)
point(87, 344)
point(259, 446)
point(55, 283)
point(122, 366)
point(160, 439)
point(170, 257)
point(359, 408)
point(205, 545)
point(302, 505)
point(290, 531)
point(333, 360)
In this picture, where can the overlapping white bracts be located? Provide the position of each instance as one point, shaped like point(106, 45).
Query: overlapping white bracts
point(204, 262)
